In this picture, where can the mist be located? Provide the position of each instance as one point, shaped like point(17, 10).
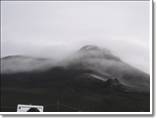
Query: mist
point(58, 29)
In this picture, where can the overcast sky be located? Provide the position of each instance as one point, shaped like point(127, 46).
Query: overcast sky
point(55, 29)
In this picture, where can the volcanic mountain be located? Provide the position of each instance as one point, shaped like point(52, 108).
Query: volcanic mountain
point(90, 80)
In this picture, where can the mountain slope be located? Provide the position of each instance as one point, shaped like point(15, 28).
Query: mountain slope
point(91, 80)
point(19, 63)
point(103, 62)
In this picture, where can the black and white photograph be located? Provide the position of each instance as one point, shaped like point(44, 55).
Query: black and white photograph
point(76, 57)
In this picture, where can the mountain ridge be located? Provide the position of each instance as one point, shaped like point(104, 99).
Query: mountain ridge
point(90, 79)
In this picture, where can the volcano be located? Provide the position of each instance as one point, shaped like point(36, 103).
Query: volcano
point(90, 80)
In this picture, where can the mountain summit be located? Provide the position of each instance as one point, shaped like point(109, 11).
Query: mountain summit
point(97, 52)
point(90, 47)
point(91, 79)
point(94, 48)
point(102, 62)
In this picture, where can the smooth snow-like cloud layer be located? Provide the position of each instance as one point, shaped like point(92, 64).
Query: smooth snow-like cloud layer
point(55, 29)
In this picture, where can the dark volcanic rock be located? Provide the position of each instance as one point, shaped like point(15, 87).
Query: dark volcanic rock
point(92, 80)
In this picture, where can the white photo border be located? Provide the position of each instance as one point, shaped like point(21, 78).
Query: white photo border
point(151, 50)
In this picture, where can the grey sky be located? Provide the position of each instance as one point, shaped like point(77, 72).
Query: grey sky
point(55, 29)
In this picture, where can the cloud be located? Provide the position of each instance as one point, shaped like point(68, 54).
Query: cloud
point(58, 28)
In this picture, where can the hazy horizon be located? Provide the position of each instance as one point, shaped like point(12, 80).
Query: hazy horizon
point(57, 29)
